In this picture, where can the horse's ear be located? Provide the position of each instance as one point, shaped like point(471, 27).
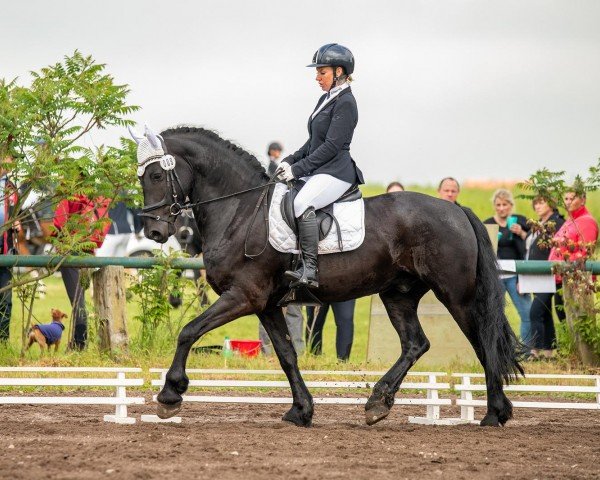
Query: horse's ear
point(154, 140)
point(136, 136)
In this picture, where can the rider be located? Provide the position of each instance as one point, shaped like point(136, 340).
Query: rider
point(324, 161)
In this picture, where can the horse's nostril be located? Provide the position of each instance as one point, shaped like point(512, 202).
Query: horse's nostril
point(155, 235)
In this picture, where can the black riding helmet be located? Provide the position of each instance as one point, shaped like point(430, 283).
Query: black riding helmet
point(334, 55)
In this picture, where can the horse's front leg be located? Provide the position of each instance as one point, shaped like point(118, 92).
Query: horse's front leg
point(231, 305)
point(302, 409)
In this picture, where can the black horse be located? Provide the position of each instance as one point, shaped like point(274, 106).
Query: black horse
point(413, 243)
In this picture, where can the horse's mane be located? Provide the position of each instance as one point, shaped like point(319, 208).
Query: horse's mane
point(215, 139)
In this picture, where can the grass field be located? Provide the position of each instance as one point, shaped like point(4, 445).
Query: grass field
point(245, 328)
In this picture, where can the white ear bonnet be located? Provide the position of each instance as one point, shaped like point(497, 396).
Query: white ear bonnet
point(150, 151)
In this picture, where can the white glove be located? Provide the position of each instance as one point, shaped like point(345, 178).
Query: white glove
point(284, 171)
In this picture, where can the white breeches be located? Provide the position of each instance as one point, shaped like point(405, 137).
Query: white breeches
point(320, 190)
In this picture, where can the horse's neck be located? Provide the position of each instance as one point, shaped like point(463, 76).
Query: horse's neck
point(221, 218)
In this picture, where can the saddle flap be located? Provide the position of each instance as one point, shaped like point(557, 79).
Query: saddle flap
point(348, 235)
point(324, 216)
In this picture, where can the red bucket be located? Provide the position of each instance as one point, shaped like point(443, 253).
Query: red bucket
point(247, 348)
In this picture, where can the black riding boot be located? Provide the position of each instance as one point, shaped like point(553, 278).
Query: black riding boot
point(308, 238)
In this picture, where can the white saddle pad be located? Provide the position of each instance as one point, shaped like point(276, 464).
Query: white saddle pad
point(350, 215)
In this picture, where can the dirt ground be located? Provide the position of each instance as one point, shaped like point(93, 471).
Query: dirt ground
point(250, 442)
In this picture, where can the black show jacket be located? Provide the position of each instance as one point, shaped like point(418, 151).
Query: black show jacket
point(328, 147)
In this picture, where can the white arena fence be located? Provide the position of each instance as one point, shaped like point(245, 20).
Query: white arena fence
point(426, 385)
point(430, 387)
point(40, 379)
point(475, 383)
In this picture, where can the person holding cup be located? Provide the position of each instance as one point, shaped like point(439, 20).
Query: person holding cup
point(512, 232)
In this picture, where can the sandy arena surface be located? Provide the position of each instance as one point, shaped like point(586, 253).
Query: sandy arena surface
point(250, 442)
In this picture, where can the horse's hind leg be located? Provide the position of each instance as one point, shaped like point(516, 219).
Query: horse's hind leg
point(402, 310)
point(499, 407)
point(302, 409)
point(231, 305)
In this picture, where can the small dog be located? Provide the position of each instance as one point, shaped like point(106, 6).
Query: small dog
point(48, 334)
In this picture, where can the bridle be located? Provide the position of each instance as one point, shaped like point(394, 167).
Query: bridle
point(167, 163)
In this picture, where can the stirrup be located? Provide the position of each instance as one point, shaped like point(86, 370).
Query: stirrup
point(300, 296)
point(305, 282)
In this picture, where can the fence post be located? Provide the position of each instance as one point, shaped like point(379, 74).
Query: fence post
point(579, 308)
point(120, 415)
point(110, 306)
point(433, 411)
point(467, 413)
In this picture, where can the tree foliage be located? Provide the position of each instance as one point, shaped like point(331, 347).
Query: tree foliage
point(45, 127)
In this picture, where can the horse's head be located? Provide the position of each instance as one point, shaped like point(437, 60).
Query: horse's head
point(166, 183)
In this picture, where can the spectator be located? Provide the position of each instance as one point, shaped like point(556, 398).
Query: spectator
point(449, 189)
point(511, 246)
point(294, 321)
point(576, 238)
point(543, 335)
point(577, 233)
point(394, 187)
point(92, 210)
point(124, 223)
point(293, 313)
point(343, 313)
point(274, 154)
point(8, 200)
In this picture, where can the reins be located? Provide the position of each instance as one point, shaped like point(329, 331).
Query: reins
point(175, 208)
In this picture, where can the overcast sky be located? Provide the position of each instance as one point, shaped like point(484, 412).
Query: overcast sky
point(473, 89)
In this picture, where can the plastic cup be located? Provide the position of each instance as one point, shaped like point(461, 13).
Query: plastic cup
point(509, 223)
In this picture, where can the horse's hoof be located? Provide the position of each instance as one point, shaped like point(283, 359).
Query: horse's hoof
point(297, 418)
point(490, 421)
point(165, 411)
point(376, 413)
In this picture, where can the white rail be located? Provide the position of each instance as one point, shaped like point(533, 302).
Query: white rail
point(467, 403)
point(120, 383)
point(432, 401)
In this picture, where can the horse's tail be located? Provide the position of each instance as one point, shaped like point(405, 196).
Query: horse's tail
point(500, 347)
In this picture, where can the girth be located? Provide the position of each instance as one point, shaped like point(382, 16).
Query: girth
point(325, 216)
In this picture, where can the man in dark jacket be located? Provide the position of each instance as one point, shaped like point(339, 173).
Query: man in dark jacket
point(274, 154)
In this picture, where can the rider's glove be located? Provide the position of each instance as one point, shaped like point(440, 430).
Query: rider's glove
point(284, 171)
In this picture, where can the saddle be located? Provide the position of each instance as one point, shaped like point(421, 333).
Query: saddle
point(325, 216)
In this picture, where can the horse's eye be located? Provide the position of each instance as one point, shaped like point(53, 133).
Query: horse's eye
point(156, 176)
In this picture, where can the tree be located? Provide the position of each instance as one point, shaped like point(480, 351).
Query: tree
point(42, 127)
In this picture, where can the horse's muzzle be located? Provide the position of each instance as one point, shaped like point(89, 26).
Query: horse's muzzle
point(158, 231)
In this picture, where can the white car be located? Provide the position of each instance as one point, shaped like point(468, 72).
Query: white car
point(144, 247)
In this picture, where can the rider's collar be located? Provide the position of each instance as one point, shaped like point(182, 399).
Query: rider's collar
point(335, 91)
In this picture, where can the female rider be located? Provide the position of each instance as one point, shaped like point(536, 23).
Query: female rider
point(324, 161)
